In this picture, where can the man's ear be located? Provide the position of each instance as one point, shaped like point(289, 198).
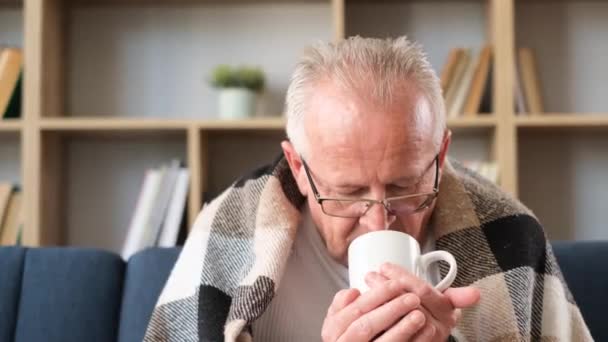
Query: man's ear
point(296, 167)
point(445, 146)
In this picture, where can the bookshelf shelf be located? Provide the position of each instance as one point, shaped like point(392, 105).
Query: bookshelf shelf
point(476, 122)
point(563, 120)
point(157, 125)
point(160, 125)
point(96, 124)
point(11, 125)
point(270, 124)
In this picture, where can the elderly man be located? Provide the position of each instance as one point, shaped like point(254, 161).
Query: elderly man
point(267, 259)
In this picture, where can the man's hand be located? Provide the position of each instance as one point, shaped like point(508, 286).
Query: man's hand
point(441, 310)
point(385, 311)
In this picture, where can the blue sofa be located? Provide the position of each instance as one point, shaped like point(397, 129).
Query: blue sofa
point(71, 294)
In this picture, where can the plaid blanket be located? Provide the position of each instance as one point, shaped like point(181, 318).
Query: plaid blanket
point(232, 262)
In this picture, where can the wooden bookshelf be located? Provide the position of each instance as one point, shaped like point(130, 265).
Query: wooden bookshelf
point(51, 125)
point(563, 120)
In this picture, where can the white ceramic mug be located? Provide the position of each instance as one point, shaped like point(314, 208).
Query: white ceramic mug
point(369, 251)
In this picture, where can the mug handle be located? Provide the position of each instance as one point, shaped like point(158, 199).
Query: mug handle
point(431, 257)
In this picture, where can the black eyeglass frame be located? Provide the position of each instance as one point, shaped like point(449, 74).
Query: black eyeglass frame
point(371, 202)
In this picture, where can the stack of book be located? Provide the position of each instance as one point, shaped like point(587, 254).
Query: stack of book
point(489, 170)
point(11, 214)
point(160, 210)
point(11, 66)
point(466, 82)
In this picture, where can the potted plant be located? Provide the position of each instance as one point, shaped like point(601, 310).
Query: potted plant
point(238, 90)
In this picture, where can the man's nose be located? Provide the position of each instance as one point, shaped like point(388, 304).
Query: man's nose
point(377, 218)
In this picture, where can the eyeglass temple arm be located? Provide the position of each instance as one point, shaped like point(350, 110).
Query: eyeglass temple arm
point(312, 184)
point(436, 186)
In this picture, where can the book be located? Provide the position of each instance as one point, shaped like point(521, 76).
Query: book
point(447, 73)
point(520, 101)
point(161, 204)
point(5, 194)
point(487, 98)
point(530, 81)
point(11, 63)
point(478, 84)
point(12, 221)
point(143, 209)
point(463, 88)
point(454, 85)
point(175, 214)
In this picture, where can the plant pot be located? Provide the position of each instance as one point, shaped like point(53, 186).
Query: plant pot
point(236, 103)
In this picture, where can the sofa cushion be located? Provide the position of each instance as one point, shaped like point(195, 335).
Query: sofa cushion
point(11, 269)
point(145, 278)
point(70, 294)
point(584, 267)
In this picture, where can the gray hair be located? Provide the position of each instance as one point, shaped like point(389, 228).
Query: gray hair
point(353, 64)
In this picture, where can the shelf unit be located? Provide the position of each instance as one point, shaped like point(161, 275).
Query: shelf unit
point(58, 34)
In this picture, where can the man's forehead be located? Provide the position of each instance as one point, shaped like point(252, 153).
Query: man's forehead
point(336, 114)
point(388, 137)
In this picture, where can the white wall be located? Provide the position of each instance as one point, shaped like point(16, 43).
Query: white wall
point(570, 41)
point(471, 146)
point(232, 155)
point(10, 158)
point(564, 180)
point(11, 26)
point(148, 61)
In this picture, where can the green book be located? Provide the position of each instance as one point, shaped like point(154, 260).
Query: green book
point(13, 110)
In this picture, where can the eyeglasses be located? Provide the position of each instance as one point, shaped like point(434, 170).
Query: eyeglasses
point(355, 208)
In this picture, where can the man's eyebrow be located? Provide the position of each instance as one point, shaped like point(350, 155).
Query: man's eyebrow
point(348, 185)
point(405, 181)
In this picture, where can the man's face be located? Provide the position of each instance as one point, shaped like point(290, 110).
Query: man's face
point(361, 150)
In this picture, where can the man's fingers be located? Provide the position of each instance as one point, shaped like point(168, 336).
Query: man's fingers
point(405, 329)
point(364, 303)
point(374, 279)
point(342, 299)
point(439, 305)
point(463, 297)
point(426, 334)
point(381, 318)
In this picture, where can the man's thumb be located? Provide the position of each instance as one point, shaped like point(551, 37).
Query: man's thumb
point(463, 297)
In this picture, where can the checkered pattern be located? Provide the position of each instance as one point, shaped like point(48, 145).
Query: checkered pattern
point(232, 263)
